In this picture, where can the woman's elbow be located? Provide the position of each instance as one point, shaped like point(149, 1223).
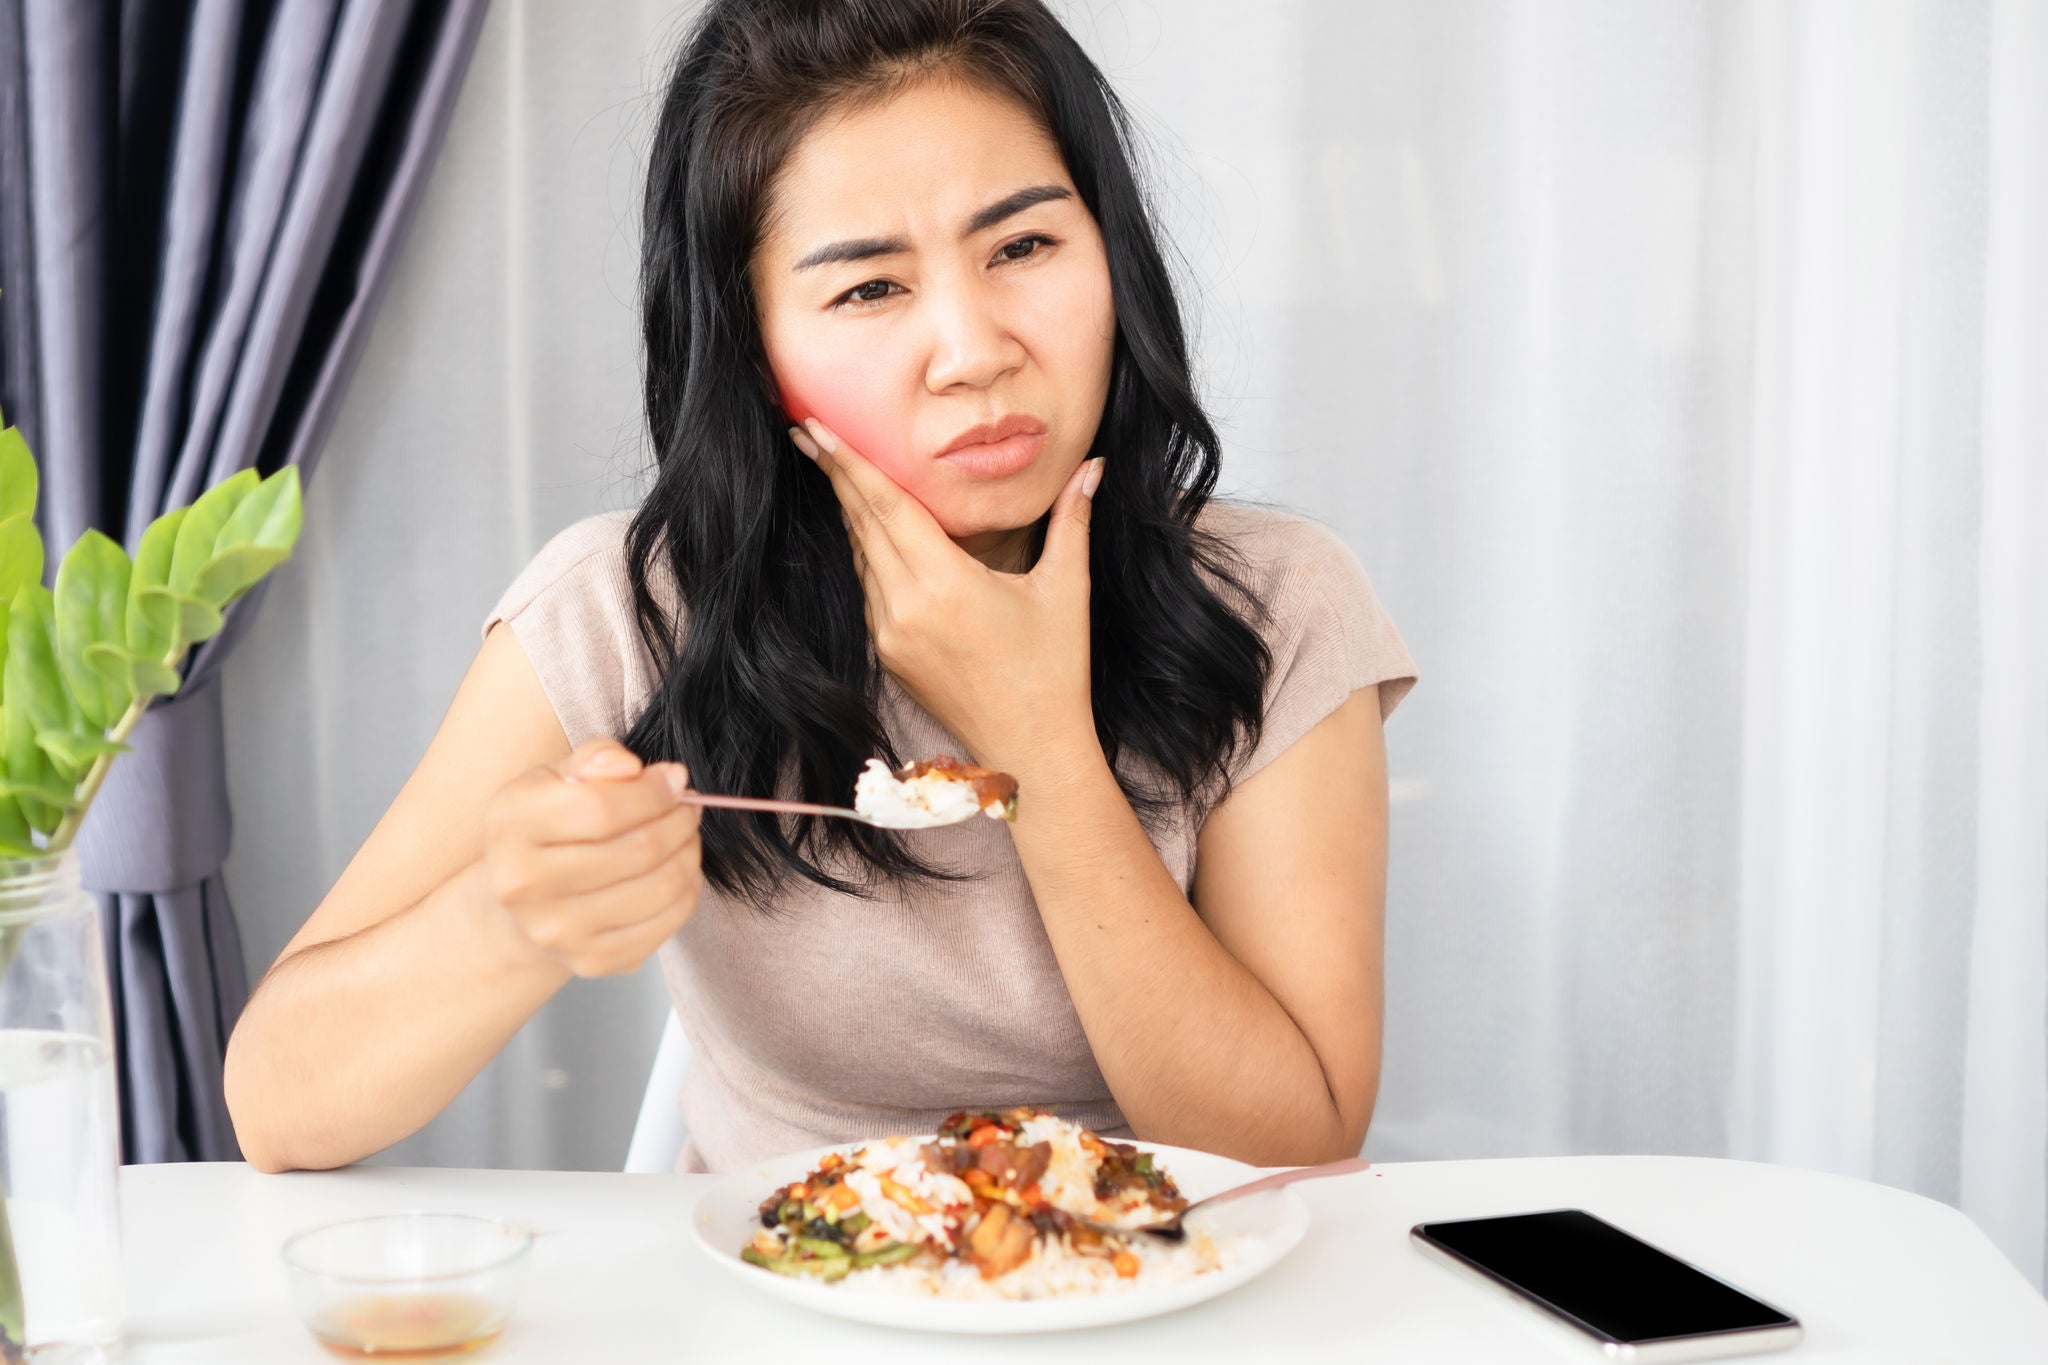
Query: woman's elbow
point(265, 1149)
point(1351, 1121)
point(1341, 1139)
point(254, 1125)
point(264, 1162)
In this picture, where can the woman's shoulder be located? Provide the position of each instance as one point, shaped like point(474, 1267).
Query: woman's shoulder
point(1283, 558)
point(586, 558)
point(574, 613)
point(1322, 621)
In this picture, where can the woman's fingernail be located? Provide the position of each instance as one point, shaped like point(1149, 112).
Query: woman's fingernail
point(1092, 479)
point(803, 443)
point(678, 779)
point(826, 441)
point(612, 763)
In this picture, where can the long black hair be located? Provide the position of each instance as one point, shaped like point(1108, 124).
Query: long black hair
point(769, 681)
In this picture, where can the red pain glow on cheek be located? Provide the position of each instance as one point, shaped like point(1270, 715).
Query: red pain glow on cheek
point(845, 402)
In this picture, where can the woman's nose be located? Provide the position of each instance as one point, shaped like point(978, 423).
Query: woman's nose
point(972, 345)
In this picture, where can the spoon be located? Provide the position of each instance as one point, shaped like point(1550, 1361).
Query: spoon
point(696, 798)
point(1171, 1228)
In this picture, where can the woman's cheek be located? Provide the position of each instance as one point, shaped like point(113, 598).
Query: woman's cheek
point(878, 432)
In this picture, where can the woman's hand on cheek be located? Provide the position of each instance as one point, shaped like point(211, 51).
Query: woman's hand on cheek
point(1001, 660)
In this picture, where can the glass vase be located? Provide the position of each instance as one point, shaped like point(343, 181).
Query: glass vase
point(60, 1130)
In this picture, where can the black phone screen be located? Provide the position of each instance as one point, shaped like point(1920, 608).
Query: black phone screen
point(1622, 1288)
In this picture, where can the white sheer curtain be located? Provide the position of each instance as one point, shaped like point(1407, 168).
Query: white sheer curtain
point(1676, 370)
point(496, 402)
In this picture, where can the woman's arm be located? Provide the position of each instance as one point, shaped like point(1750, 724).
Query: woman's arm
point(505, 865)
point(1247, 1022)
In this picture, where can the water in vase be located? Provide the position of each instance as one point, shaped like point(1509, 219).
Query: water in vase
point(59, 1158)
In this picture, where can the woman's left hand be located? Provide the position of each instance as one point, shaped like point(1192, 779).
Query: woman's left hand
point(1000, 659)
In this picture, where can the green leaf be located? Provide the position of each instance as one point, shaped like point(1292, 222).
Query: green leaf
point(92, 608)
point(152, 629)
point(23, 757)
point(233, 571)
point(21, 553)
point(75, 751)
point(28, 770)
point(143, 677)
point(14, 835)
point(187, 619)
point(269, 517)
point(58, 797)
point(204, 521)
point(13, 824)
point(255, 539)
point(34, 682)
point(36, 703)
point(18, 480)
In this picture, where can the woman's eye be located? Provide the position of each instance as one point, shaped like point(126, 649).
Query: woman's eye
point(874, 291)
point(1022, 249)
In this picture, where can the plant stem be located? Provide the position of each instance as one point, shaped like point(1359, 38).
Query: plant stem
point(67, 829)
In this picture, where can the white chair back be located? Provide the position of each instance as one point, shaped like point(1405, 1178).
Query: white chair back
point(658, 1134)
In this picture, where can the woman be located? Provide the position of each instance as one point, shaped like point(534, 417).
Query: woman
point(932, 478)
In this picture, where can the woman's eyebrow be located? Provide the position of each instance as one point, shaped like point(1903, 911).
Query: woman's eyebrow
point(865, 248)
point(1014, 203)
point(854, 249)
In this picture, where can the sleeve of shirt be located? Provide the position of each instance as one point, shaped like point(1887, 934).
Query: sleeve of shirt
point(1329, 637)
point(571, 609)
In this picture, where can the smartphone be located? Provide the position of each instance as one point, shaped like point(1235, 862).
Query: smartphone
point(1638, 1303)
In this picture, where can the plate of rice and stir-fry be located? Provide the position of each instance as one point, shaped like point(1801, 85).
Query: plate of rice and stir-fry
point(1016, 1221)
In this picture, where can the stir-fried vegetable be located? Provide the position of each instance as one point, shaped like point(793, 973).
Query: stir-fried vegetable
point(979, 1198)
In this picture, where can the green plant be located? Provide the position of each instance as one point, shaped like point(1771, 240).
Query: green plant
point(81, 663)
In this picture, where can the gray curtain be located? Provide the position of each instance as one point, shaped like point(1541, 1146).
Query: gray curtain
point(199, 205)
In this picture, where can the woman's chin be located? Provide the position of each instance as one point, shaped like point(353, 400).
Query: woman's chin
point(988, 511)
point(983, 520)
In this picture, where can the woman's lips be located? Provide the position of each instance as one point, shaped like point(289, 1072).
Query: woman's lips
point(994, 459)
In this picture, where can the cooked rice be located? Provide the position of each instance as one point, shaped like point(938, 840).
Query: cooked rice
point(1053, 1271)
point(907, 1201)
point(922, 802)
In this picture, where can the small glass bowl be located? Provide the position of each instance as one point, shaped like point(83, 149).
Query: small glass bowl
point(406, 1286)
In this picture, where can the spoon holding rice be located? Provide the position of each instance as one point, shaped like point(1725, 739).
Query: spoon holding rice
point(928, 794)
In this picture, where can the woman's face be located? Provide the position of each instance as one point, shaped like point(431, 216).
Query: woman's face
point(933, 290)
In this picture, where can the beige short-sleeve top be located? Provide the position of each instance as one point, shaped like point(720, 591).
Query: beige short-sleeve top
point(845, 1018)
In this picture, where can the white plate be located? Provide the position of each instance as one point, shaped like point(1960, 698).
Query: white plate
point(728, 1214)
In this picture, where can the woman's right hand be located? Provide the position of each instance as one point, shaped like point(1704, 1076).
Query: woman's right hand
point(594, 858)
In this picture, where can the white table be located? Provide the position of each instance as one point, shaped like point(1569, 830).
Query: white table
point(1876, 1274)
